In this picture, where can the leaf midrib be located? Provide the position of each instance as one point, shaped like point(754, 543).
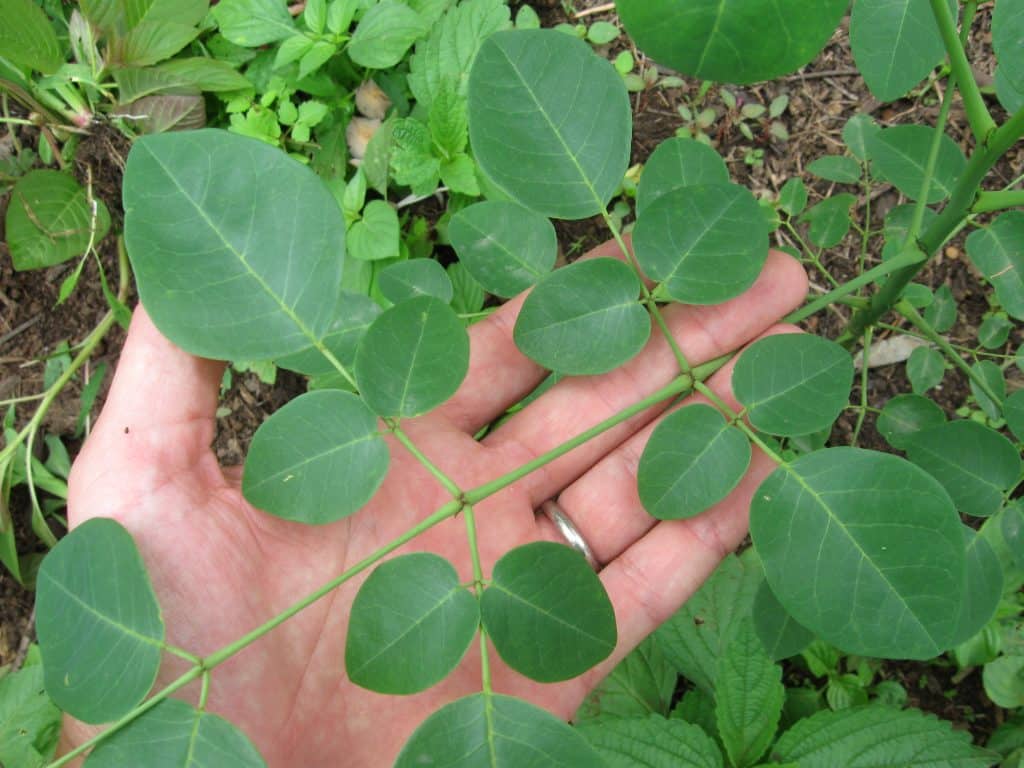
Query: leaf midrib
point(100, 616)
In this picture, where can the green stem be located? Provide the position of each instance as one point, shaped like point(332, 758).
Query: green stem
point(478, 581)
point(863, 387)
point(988, 202)
point(204, 692)
point(447, 482)
point(736, 419)
point(982, 124)
point(929, 171)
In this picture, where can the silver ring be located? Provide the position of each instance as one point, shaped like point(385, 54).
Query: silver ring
point(569, 532)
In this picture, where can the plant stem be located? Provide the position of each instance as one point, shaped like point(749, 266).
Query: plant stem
point(447, 482)
point(868, 334)
point(929, 171)
point(988, 202)
point(981, 122)
point(478, 581)
point(734, 417)
point(204, 692)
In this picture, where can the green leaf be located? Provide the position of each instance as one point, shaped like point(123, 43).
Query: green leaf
point(731, 42)
point(252, 23)
point(839, 168)
point(447, 53)
point(319, 54)
point(748, 697)
point(98, 622)
point(941, 315)
point(448, 121)
point(702, 243)
point(353, 315)
point(857, 133)
point(602, 32)
point(153, 41)
point(900, 155)
point(1008, 41)
point(853, 738)
point(198, 73)
point(780, 634)
point(189, 12)
point(222, 265)
point(991, 374)
point(417, 277)
point(506, 247)
point(793, 197)
point(652, 742)
point(793, 384)
point(906, 415)
point(29, 721)
point(410, 626)
point(925, 369)
point(975, 464)
point(1004, 681)
point(984, 587)
point(829, 220)
point(292, 49)
point(413, 162)
point(315, 15)
point(534, 135)
point(998, 252)
point(897, 227)
point(602, 327)
point(994, 331)
point(496, 732)
point(459, 175)
point(376, 235)
point(882, 563)
point(1011, 97)
point(49, 218)
point(174, 734)
point(384, 35)
point(1013, 411)
point(678, 163)
point(27, 38)
point(316, 460)
point(895, 43)
point(468, 297)
point(641, 684)
point(412, 358)
point(697, 634)
point(693, 460)
point(547, 612)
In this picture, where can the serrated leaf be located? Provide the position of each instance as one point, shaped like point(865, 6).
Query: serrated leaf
point(602, 327)
point(984, 587)
point(829, 220)
point(26, 37)
point(840, 168)
point(332, 469)
point(535, 136)
point(696, 635)
point(780, 634)
point(162, 112)
point(49, 219)
point(416, 277)
point(98, 622)
point(793, 384)
point(252, 23)
point(998, 252)
point(641, 684)
point(29, 721)
point(190, 12)
point(506, 247)
point(731, 42)
point(547, 612)
point(678, 163)
point(852, 738)
point(748, 697)
point(906, 415)
point(411, 624)
point(384, 34)
point(901, 153)
point(702, 242)
point(412, 159)
point(459, 175)
point(448, 121)
point(199, 73)
point(652, 742)
point(412, 358)
point(152, 41)
point(693, 460)
point(173, 734)
point(975, 464)
point(883, 563)
point(353, 315)
point(925, 369)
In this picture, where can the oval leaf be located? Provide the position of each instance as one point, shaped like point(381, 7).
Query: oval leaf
point(984, 587)
point(584, 319)
point(549, 121)
point(900, 155)
point(411, 624)
point(352, 317)
point(906, 415)
point(740, 42)
point(998, 251)
point(505, 246)
point(702, 243)
point(222, 265)
point(174, 734)
point(781, 634)
point(693, 459)
point(496, 732)
point(316, 460)
point(416, 277)
point(793, 384)
point(882, 564)
point(384, 35)
point(98, 622)
point(678, 163)
point(548, 613)
point(412, 358)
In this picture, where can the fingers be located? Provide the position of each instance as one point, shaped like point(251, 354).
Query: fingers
point(576, 404)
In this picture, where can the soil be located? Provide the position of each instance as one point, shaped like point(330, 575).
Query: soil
point(822, 97)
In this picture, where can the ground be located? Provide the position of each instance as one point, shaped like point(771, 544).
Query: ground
point(822, 97)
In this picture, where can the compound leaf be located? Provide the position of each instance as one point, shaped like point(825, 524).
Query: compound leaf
point(27, 38)
point(412, 358)
point(253, 23)
point(780, 634)
point(975, 464)
point(496, 732)
point(906, 415)
point(416, 277)
point(98, 622)
point(678, 163)
point(652, 742)
point(883, 564)
point(549, 121)
point(692, 460)
point(384, 35)
point(900, 155)
point(641, 684)
point(505, 246)
point(174, 734)
point(702, 242)
point(316, 460)
point(548, 613)
point(584, 319)
point(222, 263)
point(411, 624)
point(998, 251)
point(731, 42)
point(353, 315)
point(984, 587)
point(793, 384)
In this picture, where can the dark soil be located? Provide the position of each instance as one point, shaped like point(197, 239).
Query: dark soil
point(823, 97)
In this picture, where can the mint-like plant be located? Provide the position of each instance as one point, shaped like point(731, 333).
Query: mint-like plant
point(239, 254)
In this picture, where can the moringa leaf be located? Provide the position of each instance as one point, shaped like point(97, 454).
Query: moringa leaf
point(780, 634)
point(1008, 41)
point(906, 415)
point(353, 315)
point(678, 163)
point(984, 587)
point(998, 252)
point(415, 277)
point(839, 168)
point(900, 155)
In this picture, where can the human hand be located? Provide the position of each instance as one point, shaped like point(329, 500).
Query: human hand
point(221, 567)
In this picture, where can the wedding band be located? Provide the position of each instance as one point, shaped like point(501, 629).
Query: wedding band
point(569, 532)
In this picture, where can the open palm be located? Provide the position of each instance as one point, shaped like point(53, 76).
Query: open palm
point(221, 567)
